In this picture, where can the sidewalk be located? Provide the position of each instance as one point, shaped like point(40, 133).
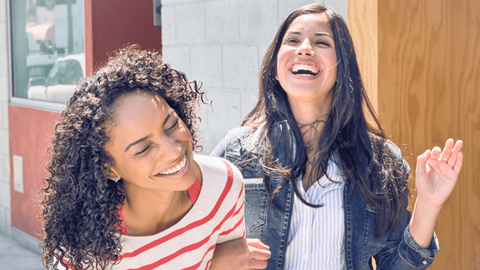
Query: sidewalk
point(15, 257)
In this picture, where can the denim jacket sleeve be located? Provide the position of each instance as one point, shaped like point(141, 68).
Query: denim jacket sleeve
point(401, 251)
point(232, 135)
point(406, 254)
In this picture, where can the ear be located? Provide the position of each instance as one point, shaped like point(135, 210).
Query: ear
point(112, 173)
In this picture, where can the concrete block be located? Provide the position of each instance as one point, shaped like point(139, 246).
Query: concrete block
point(340, 6)
point(249, 99)
point(173, 2)
point(262, 49)
point(286, 7)
point(213, 139)
point(4, 141)
point(226, 110)
point(6, 168)
point(222, 23)
point(240, 67)
point(258, 20)
point(4, 114)
point(3, 36)
point(3, 11)
point(207, 65)
point(190, 24)
point(178, 57)
point(2, 170)
point(3, 221)
point(4, 89)
point(3, 62)
point(5, 195)
point(168, 25)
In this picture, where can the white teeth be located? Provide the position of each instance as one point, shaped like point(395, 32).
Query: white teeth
point(304, 67)
point(177, 168)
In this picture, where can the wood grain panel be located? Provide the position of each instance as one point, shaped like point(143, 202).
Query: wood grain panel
point(363, 26)
point(428, 91)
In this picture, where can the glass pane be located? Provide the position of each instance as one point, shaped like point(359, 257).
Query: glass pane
point(48, 45)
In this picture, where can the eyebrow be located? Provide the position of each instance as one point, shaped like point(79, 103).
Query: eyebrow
point(294, 32)
point(146, 137)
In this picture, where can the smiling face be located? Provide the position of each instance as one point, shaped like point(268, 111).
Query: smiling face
point(150, 145)
point(306, 61)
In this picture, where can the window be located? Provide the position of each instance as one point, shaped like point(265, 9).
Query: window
point(48, 48)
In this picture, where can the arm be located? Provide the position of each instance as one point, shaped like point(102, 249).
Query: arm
point(414, 245)
point(240, 254)
point(436, 176)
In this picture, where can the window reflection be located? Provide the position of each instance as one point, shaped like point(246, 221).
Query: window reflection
point(48, 48)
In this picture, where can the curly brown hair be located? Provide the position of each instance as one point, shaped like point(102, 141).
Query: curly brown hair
point(80, 204)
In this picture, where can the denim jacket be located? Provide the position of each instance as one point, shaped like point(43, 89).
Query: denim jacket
point(270, 224)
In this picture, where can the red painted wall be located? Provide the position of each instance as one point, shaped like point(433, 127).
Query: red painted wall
point(30, 132)
point(109, 25)
point(112, 24)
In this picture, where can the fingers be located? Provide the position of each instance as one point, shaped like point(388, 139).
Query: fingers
point(253, 242)
point(436, 153)
point(454, 156)
point(447, 151)
point(422, 162)
point(258, 250)
point(260, 254)
point(459, 162)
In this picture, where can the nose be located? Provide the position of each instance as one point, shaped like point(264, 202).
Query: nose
point(170, 149)
point(305, 48)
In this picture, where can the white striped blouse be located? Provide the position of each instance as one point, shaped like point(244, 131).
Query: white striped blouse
point(316, 238)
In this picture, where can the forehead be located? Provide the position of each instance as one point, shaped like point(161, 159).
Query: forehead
point(137, 103)
point(136, 112)
point(310, 22)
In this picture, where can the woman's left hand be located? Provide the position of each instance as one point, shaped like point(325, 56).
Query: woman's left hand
point(437, 173)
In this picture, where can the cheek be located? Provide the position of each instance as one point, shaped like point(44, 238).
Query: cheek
point(332, 61)
point(282, 58)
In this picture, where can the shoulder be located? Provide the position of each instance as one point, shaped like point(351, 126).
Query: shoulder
point(237, 133)
point(397, 155)
point(219, 169)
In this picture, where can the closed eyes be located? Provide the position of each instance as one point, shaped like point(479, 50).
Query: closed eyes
point(170, 128)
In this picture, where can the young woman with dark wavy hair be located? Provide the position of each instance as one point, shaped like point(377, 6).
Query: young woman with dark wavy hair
point(124, 190)
point(325, 189)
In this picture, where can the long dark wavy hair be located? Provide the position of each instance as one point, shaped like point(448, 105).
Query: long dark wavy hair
point(361, 147)
point(80, 204)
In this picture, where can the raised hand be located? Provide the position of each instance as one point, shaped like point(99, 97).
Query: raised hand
point(437, 172)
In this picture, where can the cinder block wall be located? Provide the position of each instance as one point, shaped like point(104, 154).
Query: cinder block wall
point(4, 149)
point(222, 42)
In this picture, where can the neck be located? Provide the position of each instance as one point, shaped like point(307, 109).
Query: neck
point(148, 212)
point(311, 118)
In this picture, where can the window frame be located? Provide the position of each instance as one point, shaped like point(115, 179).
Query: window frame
point(25, 102)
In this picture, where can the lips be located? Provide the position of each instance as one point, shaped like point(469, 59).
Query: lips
point(177, 168)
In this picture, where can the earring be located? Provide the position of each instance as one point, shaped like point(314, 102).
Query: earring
point(115, 179)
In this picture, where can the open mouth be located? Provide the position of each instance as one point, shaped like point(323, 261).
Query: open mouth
point(305, 70)
point(177, 168)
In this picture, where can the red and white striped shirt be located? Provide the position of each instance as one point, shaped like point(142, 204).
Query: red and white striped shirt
point(216, 217)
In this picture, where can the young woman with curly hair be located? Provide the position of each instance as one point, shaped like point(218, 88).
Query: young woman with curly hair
point(124, 189)
point(324, 187)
